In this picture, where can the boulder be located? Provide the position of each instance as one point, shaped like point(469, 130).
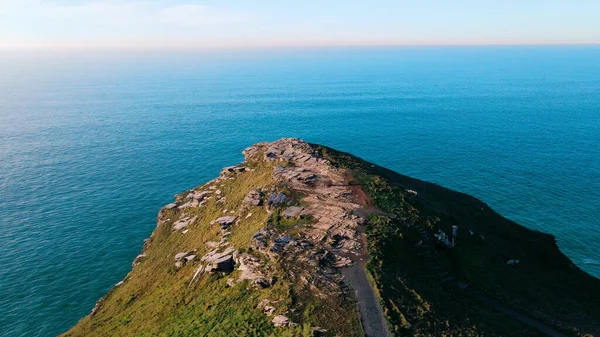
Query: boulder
point(277, 199)
point(219, 262)
point(260, 239)
point(292, 211)
point(182, 223)
point(170, 206)
point(512, 262)
point(233, 169)
point(223, 264)
point(138, 259)
point(317, 331)
point(225, 221)
point(281, 320)
point(253, 198)
point(261, 282)
point(268, 310)
point(200, 195)
point(180, 256)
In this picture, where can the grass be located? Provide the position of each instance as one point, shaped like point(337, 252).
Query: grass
point(157, 299)
point(416, 301)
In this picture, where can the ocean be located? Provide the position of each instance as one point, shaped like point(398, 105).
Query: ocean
point(92, 144)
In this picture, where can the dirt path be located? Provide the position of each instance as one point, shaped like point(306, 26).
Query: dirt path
point(371, 314)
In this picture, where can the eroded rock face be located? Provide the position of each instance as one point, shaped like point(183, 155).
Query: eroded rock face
point(328, 199)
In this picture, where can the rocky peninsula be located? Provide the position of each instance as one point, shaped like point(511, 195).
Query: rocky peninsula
point(303, 240)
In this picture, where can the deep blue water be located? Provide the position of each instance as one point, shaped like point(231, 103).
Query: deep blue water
point(91, 146)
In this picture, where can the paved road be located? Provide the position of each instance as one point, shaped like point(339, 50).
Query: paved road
point(371, 314)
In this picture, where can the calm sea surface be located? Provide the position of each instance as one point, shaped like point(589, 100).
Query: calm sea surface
point(92, 145)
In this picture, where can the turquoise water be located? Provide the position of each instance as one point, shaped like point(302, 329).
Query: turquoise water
point(91, 146)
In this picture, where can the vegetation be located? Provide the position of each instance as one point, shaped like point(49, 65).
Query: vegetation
point(157, 299)
point(424, 289)
point(545, 285)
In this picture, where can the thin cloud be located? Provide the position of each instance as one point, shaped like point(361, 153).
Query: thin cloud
point(197, 15)
point(111, 18)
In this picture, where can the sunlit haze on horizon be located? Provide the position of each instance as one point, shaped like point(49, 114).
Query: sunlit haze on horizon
point(188, 24)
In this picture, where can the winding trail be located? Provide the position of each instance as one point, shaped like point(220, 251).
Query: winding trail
point(371, 314)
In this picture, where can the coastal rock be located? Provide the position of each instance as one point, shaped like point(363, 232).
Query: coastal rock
point(250, 270)
point(317, 331)
point(219, 261)
point(277, 199)
point(181, 224)
point(232, 169)
point(261, 238)
point(170, 206)
point(253, 198)
point(138, 259)
point(180, 256)
point(281, 321)
point(268, 310)
point(225, 221)
point(292, 211)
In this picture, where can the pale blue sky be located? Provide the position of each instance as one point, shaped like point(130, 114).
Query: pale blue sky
point(213, 24)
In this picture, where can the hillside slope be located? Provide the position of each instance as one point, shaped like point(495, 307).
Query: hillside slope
point(277, 246)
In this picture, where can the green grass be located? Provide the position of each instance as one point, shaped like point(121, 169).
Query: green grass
point(417, 302)
point(157, 299)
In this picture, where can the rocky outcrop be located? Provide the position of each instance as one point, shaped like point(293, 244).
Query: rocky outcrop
point(277, 199)
point(225, 221)
point(183, 223)
point(295, 234)
point(292, 211)
point(281, 320)
point(254, 198)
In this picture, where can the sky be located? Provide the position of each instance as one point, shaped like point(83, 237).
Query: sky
point(189, 24)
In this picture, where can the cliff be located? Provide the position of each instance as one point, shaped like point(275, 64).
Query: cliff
point(303, 240)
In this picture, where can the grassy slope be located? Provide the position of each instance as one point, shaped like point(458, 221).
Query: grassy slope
point(157, 300)
point(545, 285)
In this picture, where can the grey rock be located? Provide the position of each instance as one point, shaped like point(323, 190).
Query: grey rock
point(268, 310)
point(261, 282)
point(292, 211)
point(180, 256)
point(221, 262)
point(281, 320)
point(317, 331)
point(277, 199)
point(225, 221)
point(253, 198)
point(138, 259)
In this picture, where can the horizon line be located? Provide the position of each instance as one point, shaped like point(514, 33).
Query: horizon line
point(124, 48)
